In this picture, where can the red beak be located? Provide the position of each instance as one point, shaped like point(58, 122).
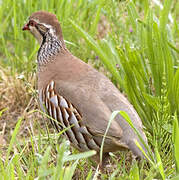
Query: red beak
point(26, 27)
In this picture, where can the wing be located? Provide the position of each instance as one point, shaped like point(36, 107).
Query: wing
point(83, 134)
point(94, 113)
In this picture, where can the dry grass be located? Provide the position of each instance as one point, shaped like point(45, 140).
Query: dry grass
point(17, 98)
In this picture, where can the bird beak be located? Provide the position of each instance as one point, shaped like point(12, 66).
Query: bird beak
point(26, 27)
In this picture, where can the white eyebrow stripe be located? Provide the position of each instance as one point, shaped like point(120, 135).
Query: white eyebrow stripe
point(51, 29)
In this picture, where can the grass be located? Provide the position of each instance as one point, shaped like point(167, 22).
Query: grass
point(134, 43)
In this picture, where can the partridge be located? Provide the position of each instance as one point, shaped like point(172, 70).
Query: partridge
point(78, 97)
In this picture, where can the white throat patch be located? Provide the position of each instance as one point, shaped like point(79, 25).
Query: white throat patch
point(36, 33)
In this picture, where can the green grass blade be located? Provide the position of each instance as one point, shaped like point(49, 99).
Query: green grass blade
point(159, 163)
point(98, 51)
point(79, 156)
point(69, 171)
point(134, 173)
point(13, 138)
point(176, 142)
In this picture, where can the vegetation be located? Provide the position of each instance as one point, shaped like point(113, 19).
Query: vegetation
point(134, 43)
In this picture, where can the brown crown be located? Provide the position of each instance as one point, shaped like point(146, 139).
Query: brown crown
point(48, 18)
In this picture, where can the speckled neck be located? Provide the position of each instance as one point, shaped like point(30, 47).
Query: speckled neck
point(49, 48)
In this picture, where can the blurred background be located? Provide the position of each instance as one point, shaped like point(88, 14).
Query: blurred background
point(135, 43)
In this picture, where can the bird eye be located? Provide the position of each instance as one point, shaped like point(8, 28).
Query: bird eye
point(31, 23)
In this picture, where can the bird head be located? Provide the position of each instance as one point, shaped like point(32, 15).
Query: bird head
point(41, 22)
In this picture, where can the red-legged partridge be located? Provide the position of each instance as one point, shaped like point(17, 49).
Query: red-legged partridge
point(77, 95)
